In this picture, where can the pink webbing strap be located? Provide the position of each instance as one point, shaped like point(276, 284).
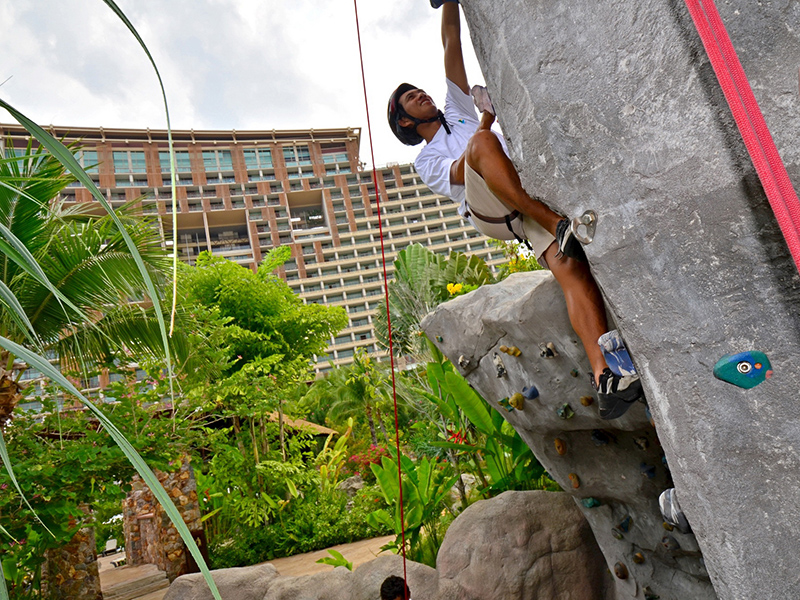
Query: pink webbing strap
point(750, 121)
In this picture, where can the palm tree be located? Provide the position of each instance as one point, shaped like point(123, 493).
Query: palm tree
point(69, 292)
point(351, 391)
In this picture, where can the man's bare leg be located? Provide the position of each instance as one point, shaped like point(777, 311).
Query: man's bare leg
point(585, 304)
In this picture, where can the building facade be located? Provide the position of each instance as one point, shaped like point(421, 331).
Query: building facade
point(243, 193)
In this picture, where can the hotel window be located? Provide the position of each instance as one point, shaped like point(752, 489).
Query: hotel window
point(296, 155)
point(88, 160)
point(258, 158)
point(217, 160)
point(183, 163)
point(129, 162)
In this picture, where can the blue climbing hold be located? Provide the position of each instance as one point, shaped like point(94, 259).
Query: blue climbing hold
point(530, 392)
point(745, 369)
point(648, 471)
point(600, 437)
point(616, 355)
point(590, 502)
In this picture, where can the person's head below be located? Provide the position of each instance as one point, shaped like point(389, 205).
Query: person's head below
point(408, 108)
point(395, 588)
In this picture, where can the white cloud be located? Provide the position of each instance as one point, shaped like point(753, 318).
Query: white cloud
point(243, 64)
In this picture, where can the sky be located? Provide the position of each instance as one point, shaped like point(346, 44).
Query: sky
point(226, 64)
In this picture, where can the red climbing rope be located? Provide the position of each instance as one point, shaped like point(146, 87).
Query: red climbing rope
point(386, 295)
point(755, 133)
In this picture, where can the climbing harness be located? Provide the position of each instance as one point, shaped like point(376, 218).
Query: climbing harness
point(386, 296)
point(507, 219)
point(755, 133)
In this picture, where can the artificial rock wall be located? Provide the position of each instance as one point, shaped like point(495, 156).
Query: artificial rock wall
point(613, 106)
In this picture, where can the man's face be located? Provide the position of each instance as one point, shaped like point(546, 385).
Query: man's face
point(418, 104)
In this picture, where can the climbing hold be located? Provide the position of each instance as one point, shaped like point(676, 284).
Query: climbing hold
point(517, 401)
point(561, 446)
point(621, 571)
point(574, 372)
point(530, 392)
point(600, 437)
point(670, 543)
point(625, 524)
point(587, 400)
point(664, 462)
point(573, 478)
point(511, 351)
point(505, 403)
point(617, 533)
point(439, 338)
point(745, 369)
point(583, 227)
point(565, 411)
point(590, 502)
point(648, 471)
point(498, 363)
point(547, 350)
point(668, 526)
point(615, 353)
point(641, 442)
point(503, 348)
point(463, 361)
point(638, 558)
point(649, 595)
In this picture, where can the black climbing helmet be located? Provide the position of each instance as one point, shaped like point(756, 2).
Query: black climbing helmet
point(395, 112)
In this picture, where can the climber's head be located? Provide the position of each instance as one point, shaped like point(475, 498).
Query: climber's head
point(409, 107)
point(394, 588)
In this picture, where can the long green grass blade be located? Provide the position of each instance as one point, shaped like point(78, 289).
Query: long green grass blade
point(44, 366)
point(7, 462)
point(17, 313)
point(3, 588)
point(62, 154)
point(113, 6)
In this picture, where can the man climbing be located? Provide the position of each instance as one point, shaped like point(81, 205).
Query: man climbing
point(466, 161)
point(395, 588)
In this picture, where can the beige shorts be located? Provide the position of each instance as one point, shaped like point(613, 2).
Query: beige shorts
point(481, 199)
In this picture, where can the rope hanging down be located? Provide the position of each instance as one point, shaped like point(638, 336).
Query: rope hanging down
point(386, 296)
point(755, 133)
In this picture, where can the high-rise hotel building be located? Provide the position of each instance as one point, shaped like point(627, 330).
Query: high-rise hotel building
point(242, 193)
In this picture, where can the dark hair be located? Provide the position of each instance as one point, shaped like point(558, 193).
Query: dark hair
point(394, 587)
point(395, 112)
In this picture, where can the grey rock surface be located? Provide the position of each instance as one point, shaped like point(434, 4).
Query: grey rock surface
point(242, 583)
point(613, 106)
point(351, 485)
point(525, 545)
point(528, 310)
point(518, 546)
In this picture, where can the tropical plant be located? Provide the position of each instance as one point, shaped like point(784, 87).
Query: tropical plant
point(421, 280)
point(336, 559)
point(425, 487)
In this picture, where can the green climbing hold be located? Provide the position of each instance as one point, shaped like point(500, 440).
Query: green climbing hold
point(590, 502)
point(745, 369)
point(574, 372)
point(565, 411)
point(439, 338)
point(617, 533)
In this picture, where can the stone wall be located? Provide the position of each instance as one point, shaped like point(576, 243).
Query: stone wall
point(70, 572)
point(150, 536)
point(613, 106)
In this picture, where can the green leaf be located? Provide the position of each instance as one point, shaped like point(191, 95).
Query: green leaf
point(474, 407)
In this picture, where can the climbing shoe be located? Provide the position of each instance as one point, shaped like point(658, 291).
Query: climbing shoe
point(616, 393)
point(671, 511)
point(438, 3)
point(568, 244)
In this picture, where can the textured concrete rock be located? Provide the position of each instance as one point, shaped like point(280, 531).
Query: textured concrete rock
point(245, 583)
point(524, 545)
point(527, 310)
point(351, 485)
point(613, 106)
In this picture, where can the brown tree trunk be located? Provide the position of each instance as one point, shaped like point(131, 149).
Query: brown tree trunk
point(371, 423)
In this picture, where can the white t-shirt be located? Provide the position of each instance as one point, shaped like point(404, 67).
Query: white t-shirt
point(435, 159)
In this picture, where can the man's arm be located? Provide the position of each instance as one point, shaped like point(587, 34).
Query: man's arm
point(457, 168)
point(451, 40)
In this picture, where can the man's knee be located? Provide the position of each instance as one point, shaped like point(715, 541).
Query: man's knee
point(482, 144)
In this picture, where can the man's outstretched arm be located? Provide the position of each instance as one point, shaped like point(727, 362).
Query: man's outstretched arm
point(451, 40)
